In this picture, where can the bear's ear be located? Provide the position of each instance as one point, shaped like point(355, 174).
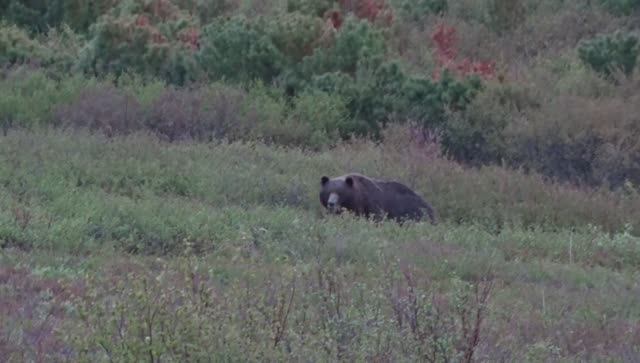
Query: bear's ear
point(349, 181)
point(324, 180)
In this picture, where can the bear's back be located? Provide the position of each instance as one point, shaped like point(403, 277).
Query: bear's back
point(395, 187)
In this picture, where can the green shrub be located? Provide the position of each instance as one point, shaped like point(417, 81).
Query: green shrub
point(36, 16)
point(207, 10)
point(40, 16)
point(295, 34)
point(311, 7)
point(55, 52)
point(505, 15)
point(145, 89)
point(324, 114)
point(610, 52)
point(349, 90)
point(417, 10)
point(386, 94)
point(357, 44)
point(476, 134)
point(138, 39)
point(80, 14)
point(621, 7)
point(238, 50)
point(17, 47)
point(28, 98)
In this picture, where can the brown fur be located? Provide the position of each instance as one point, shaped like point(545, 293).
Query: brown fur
point(373, 198)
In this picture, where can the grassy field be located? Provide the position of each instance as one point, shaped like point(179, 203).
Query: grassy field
point(160, 163)
point(131, 249)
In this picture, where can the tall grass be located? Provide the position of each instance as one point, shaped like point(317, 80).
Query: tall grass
point(138, 189)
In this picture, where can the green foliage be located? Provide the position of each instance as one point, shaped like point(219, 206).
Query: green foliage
point(207, 10)
point(17, 47)
point(56, 52)
point(238, 50)
point(39, 16)
point(386, 94)
point(80, 15)
point(355, 67)
point(476, 134)
point(610, 52)
point(28, 98)
point(147, 41)
point(325, 114)
point(350, 91)
point(417, 10)
point(358, 44)
point(311, 7)
point(294, 34)
point(621, 7)
point(504, 15)
point(352, 65)
point(479, 133)
point(36, 16)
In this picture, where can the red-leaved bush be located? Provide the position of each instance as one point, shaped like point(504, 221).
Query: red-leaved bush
point(445, 39)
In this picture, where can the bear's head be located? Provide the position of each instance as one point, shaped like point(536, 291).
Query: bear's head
point(337, 194)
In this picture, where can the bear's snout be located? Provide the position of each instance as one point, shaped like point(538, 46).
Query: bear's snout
point(332, 203)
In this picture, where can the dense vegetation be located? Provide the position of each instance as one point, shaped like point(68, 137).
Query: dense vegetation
point(160, 162)
point(516, 83)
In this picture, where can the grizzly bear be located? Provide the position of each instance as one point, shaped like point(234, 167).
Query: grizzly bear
point(372, 198)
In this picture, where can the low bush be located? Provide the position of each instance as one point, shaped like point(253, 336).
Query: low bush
point(29, 97)
point(179, 114)
point(325, 115)
point(609, 53)
point(280, 314)
point(476, 135)
point(225, 112)
point(567, 139)
point(103, 108)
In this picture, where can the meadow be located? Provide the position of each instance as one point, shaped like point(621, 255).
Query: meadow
point(160, 164)
point(130, 248)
